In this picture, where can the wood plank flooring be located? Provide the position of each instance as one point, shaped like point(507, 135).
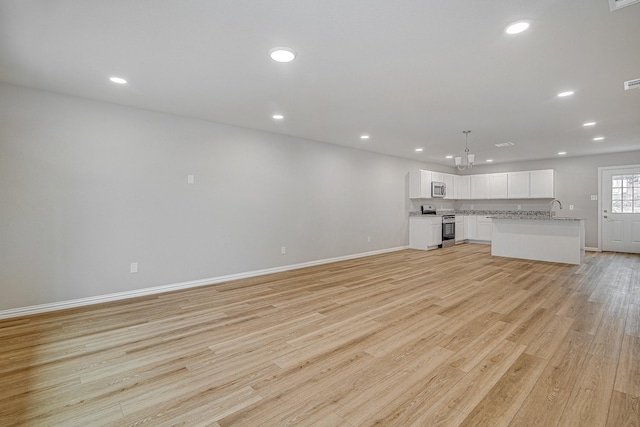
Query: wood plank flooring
point(452, 337)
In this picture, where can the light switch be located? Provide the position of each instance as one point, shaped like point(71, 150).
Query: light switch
point(570, 207)
point(191, 179)
point(594, 197)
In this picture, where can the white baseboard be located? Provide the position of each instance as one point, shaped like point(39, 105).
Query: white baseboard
point(591, 249)
point(54, 306)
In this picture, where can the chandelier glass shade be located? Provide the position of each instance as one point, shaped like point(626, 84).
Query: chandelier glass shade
point(468, 158)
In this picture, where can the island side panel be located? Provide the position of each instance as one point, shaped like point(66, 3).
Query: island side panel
point(540, 240)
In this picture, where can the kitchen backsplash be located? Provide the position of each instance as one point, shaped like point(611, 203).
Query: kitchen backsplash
point(520, 213)
point(502, 212)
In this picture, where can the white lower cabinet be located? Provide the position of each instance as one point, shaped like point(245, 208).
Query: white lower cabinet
point(460, 229)
point(425, 232)
point(477, 227)
point(470, 227)
point(436, 232)
point(484, 226)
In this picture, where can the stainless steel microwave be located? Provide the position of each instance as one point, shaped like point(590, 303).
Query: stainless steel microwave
point(438, 189)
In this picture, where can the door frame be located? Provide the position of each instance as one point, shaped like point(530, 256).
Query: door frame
point(600, 171)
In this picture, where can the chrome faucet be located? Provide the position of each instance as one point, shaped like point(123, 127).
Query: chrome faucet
point(551, 206)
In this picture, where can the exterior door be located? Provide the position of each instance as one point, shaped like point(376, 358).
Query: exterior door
point(620, 216)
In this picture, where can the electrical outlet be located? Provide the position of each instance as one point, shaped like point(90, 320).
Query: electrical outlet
point(191, 179)
point(134, 267)
point(594, 197)
point(283, 250)
point(519, 207)
point(369, 239)
point(471, 207)
point(570, 207)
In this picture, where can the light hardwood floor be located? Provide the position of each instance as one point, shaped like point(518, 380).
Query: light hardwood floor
point(447, 337)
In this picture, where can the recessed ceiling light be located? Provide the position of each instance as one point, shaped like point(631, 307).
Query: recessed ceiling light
point(598, 138)
point(589, 124)
point(419, 150)
point(364, 136)
point(563, 94)
point(489, 160)
point(517, 27)
point(504, 144)
point(562, 153)
point(118, 80)
point(282, 54)
point(449, 157)
point(278, 116)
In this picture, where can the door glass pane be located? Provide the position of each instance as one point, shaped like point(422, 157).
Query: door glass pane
point(617, 181)
point(616, 206)
point(627, 207)
point(625, 193)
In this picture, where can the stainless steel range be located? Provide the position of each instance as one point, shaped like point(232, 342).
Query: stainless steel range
point(448, 230)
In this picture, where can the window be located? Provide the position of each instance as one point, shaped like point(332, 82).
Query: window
point(625, 193)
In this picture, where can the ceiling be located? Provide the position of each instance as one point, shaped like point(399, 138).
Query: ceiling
point(411, 74)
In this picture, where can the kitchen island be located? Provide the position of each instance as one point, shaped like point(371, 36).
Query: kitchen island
point(539, 238)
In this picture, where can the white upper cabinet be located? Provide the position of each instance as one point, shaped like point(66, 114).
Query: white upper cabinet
point(497, 186)
point(542, 185)
point(420, 184)
point(449, 181)
point(462, 187)
point(437, 176)
point(538, 184)
point(518, 185)
point(479, 186)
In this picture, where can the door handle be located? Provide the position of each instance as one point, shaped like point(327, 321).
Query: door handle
point(606, 216)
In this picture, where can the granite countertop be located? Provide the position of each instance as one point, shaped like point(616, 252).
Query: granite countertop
point(535, 217)
point(526, 215)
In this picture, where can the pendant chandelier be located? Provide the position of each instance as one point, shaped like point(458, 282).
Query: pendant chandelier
point(468, 158)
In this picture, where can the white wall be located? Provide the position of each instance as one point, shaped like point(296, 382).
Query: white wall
point(89, 187)
point(86, 188)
